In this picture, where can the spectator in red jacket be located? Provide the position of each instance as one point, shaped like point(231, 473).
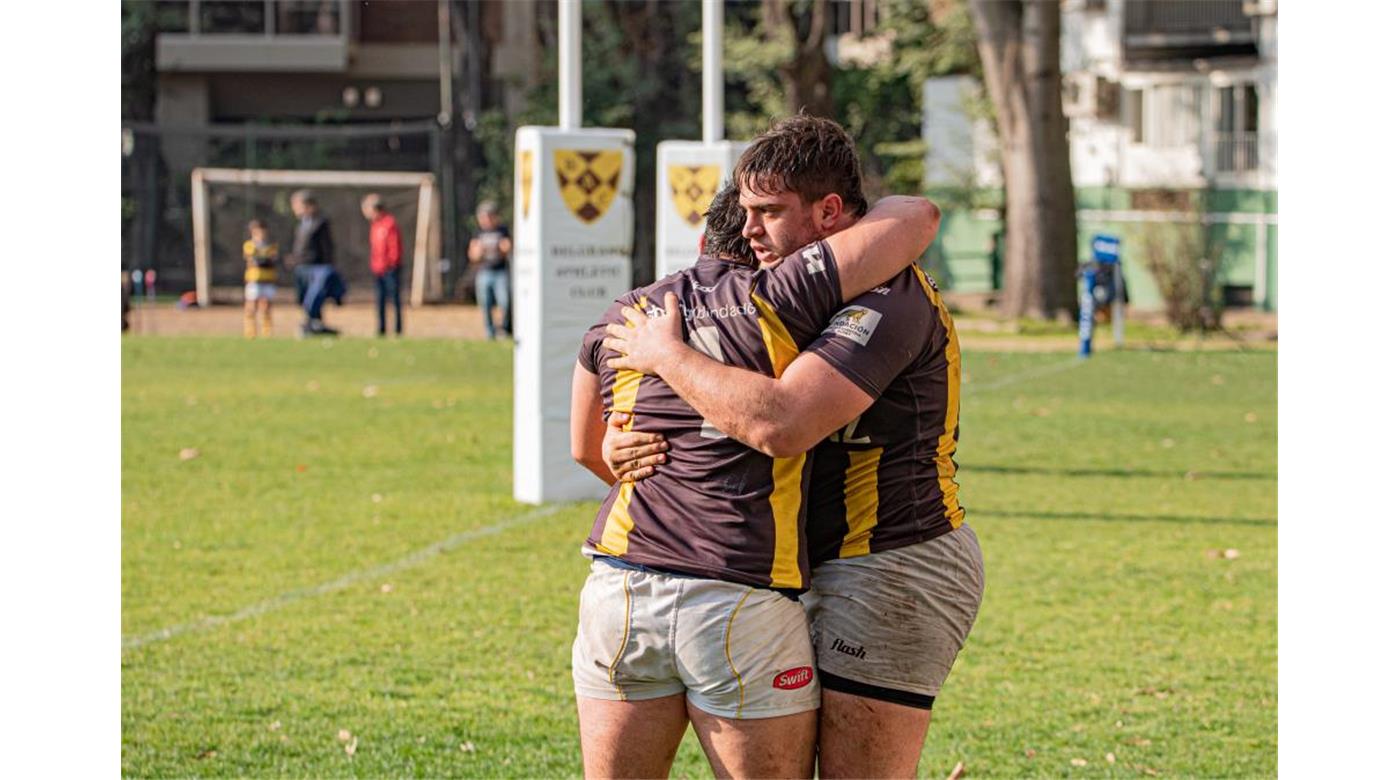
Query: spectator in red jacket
point(385, 258)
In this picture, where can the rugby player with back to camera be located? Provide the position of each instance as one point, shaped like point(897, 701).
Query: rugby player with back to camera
point(897, 576)
point(690, 612)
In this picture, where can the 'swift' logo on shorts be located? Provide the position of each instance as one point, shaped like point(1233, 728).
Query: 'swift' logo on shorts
point(793, 679)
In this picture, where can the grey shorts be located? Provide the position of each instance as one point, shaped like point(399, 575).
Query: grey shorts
point(889, 625)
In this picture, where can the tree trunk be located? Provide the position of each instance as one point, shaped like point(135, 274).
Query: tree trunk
point(807, 77)
point(1019, 43)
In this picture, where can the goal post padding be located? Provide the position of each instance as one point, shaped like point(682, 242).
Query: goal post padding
point(225, 199)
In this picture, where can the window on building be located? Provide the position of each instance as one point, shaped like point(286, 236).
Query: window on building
point(1237, 128)
point(232, 16)
point(173, 16)
point(1132, 108)
point(857, 17)
point(308, 17)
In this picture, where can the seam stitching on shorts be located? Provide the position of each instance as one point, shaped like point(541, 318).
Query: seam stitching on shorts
point(674, 627)
point(626, 631)
point(728, 632)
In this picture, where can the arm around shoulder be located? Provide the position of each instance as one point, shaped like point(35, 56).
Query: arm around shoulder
point(891, 236)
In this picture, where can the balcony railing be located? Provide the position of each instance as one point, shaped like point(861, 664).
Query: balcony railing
point(1186, 24)
point(1235, 152)
point(253, 17)
point(1185, 16)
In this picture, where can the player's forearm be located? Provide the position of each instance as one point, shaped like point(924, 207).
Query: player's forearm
point(595, 464)
point(745, 405)
point(891, 236)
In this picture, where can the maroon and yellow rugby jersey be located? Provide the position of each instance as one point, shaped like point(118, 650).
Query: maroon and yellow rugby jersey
point(716, 508)
point(886, 480)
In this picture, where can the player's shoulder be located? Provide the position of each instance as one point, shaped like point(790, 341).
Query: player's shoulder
point(907, 292)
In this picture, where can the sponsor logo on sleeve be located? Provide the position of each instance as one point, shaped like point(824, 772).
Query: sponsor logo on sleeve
point(856, 323)
point(792, 679)
point(813, 256)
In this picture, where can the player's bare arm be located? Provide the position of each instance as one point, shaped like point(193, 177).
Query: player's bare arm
point(779, 417)
point(590, 439)
point(586, 427)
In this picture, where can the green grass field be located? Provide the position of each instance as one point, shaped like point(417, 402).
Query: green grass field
point(342, 554)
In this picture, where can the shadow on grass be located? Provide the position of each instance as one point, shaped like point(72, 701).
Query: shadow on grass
point(1122, 473)
point(1106, 517)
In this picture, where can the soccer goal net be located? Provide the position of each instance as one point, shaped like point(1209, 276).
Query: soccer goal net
point(225, 200)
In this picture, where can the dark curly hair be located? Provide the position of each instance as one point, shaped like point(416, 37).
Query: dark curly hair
point(724, 227)
point(808, 155)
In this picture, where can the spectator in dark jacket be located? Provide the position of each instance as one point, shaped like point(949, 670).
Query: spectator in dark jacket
point(314, 257)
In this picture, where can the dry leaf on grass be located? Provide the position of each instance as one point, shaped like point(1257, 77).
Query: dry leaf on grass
point(274, 725)
point(386, 588)
point(343, 735)
point(1030, 753)
point(1110, 758)
point(189, 453)
point(957, 771)
point(1078, 762)
point(467, 747)
point(1231, 554)
point(371, 391)
point(351, 745)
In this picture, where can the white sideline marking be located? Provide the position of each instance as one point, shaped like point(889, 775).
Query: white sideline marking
point(292, 596)
point(1053, 368)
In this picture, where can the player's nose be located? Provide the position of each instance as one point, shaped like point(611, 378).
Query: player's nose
point(752, 227)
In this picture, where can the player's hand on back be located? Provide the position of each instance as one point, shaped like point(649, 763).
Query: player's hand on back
point(631, 455)
point(646, 343)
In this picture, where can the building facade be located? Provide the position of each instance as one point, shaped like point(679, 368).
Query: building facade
point(1171, 109)
point(315, 84)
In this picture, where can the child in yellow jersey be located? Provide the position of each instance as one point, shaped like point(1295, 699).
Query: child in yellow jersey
point(260, 278)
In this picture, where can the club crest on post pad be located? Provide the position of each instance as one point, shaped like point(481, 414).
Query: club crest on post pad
point(692, 189)
point(588, 180)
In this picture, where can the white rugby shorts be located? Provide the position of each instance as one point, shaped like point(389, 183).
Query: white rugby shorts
point(736, 651)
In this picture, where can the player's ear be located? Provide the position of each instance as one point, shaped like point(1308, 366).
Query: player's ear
point(829, 210)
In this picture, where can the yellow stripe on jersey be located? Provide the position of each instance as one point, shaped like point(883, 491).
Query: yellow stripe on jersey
point(619, 523)
point(782, 350)
point(252, 253)
point(786, 499)
point(947, 443)
point(862, 501)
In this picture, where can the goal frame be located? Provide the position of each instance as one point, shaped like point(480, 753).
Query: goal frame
point(426, 234)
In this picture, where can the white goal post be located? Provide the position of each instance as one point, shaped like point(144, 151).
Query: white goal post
point(426, 234)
